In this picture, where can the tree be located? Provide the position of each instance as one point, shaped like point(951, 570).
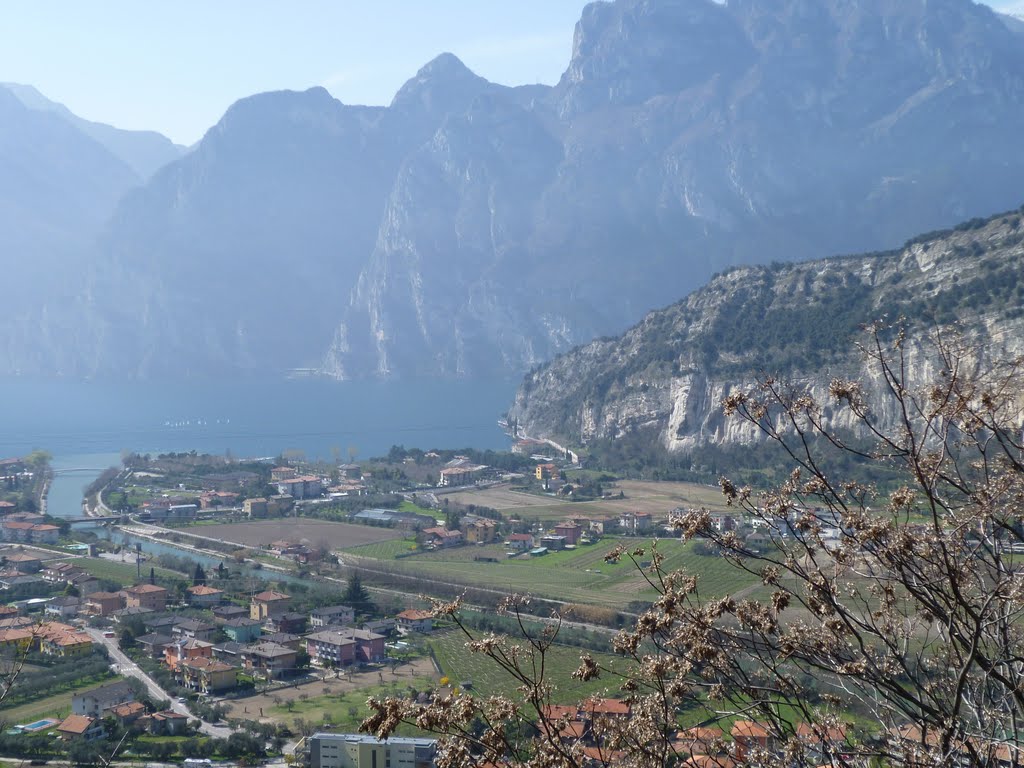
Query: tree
point(152, 575)
point(887, 626)
point(198, 576)
point(357, 596)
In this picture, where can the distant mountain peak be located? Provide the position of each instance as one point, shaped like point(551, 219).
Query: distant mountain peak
point(145, 152)
point(440, 84)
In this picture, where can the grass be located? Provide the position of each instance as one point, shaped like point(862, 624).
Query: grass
point(344, 712)
point(488, 679)
point(384, 550)
point(57, 706)
point(579, 575)
point(124, 573)
point(408, 506)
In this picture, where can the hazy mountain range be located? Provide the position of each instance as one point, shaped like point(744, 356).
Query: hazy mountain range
point(471, 228)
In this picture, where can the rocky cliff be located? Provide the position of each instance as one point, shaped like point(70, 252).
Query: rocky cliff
point(665, 378)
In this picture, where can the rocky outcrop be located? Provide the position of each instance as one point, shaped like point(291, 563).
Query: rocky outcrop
point(666, 377)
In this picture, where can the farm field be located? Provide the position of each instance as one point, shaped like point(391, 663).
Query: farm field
point(488, 679)
point(657, 498)
point(314, 532)
point(579, 575)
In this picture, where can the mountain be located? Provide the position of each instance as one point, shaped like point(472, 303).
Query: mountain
point(145, 152)
point(471, 228)
point(663, 381)
point(57, 186)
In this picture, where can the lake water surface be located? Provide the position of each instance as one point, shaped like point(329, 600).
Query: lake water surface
point(86, 425)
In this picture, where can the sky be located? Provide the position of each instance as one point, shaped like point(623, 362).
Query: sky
point(176, 67)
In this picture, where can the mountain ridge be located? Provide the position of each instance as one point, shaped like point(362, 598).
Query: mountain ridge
point(473, 229)
point(663, 381)
point(144, 151)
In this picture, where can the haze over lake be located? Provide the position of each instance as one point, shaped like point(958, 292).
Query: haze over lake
point(86, 424)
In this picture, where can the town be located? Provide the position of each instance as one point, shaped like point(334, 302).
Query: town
point(259, 635)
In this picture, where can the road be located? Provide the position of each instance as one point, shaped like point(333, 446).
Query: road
point(129, 668)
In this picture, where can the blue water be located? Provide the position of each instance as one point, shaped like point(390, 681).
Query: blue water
point(86, 425)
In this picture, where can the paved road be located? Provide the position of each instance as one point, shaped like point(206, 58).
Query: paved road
point(129, 668)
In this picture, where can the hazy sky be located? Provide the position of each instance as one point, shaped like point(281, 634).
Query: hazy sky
point(176, 66)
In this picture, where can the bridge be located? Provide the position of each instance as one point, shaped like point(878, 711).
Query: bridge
point(93, 520)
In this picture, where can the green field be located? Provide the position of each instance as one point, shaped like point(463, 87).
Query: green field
point(579, 575)
point(344, 712)
point(459, 664)
point(385, 550)
point(57, 706)
point(121, 572)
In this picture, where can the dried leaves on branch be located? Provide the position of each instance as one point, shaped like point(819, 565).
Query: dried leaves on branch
point(888, 625)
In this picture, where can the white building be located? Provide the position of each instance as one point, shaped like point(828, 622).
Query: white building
point(350, 750)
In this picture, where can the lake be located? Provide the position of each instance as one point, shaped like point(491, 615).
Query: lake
point(87, 424)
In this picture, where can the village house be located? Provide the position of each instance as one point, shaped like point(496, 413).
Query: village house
point(24, 563)
point(287, 639)
point(290, 621)
point(96, 701)
point(478, 530)
point(75, 727)
point(455, 476)
point(84, 583)
point(193, 629)
point(243, 629)
point(217, 499)
point(26, 532)
point(146, 596)
point(103, 603)
point(203, 596)
point(635, 522)
point(519, 542)
point(6, 508)
point(208, 675)
point(267, 604)
point(330, 648)
point(269, 660)
point(59, 573)
point(56, 639)
point(570, 532)
point(749, 736)
point(223, 613)
point(165, 723)
point(64, 607)
point(545, 471)
point(331, 616)
point(162, 624)
point(553, 543)
point(411, 620)
point(154, 645)
point(439, 538)
point(299, 488)
point(127, 614)
point(126, 714)
point(280, 504)
point(181, 651)
point(255, 508)
point(280, 474)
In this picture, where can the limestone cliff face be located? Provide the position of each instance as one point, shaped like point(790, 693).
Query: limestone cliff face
point(668, 375)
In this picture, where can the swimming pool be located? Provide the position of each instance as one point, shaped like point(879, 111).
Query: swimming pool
point(38, 725)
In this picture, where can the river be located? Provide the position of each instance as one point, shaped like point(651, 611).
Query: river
point(86, 425)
